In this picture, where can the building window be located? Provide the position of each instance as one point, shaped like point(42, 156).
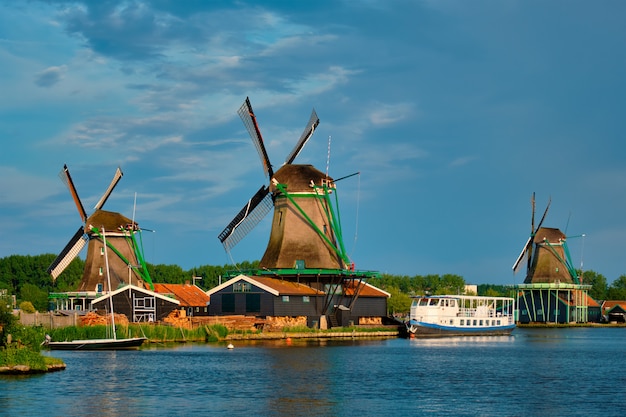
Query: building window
point(306, 299)
point(197, 309)
point(242, 286)
point(285, 298)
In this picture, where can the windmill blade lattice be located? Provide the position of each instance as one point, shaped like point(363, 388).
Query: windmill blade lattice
point(249, 120)
point(67, 255)
point(314, 121)
point(249, 216)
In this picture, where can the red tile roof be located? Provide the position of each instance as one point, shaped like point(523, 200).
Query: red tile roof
point(610, 304)
point(188, 295)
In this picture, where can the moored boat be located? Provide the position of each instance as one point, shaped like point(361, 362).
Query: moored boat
point(460, 315)
point(97, 344)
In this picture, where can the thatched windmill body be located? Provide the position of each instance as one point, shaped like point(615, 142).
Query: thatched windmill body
point(305, 232)
point(126, 263)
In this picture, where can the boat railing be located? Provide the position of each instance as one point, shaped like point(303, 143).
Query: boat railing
point(471, 312)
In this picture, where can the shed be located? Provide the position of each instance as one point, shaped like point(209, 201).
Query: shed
point(136, 303)
point(263, 296)
point(269, 296)
point(614, 311)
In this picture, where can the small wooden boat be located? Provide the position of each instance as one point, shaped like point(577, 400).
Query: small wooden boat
point(460, 315)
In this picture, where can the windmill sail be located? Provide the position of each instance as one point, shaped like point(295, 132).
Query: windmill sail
point(67, 180)
point(522, 256)
point(67, 255)
point(314, 121)
point(116, 178)
point(249, 216)
point(249, 120)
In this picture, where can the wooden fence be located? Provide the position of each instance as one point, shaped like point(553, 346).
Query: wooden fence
point(48, 320)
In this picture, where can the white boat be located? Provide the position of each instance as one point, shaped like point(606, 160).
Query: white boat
point(99, 344)
point(460, 315)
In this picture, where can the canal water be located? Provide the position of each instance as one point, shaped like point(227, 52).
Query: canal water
point(534, 372)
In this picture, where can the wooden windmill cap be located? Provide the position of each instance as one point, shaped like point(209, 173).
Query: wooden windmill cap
point(111, 221)
point(550, 234)
point(298, 178)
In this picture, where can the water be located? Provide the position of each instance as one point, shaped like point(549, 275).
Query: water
point(535, 372)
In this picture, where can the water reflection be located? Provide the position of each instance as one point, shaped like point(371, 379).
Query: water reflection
point(475, 375)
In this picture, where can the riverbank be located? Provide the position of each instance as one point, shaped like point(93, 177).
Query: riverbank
point(354, 334)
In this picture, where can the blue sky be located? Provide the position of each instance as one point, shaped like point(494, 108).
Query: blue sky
point(454, 113)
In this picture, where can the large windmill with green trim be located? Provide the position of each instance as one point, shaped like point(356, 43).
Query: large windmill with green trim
point(306, 233)
point(123, 243)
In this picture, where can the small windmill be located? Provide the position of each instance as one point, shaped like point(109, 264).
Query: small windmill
point(126, 262)
point(305, 232)
point(546, 254)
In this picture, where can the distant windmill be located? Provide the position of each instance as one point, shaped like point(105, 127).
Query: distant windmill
point(126, 262)
point(546, 254)
point(305, 228)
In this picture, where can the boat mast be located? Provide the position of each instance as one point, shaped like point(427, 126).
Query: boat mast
point(106, 263)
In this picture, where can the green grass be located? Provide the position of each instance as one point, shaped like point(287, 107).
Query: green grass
point(12, 355)
point(154, 333)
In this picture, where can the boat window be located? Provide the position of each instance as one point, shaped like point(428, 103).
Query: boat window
point(474, 322)
point(481, 322)
point(452, 303)
point(498, 322)
point(462, 322)
point(423, 301)
point(434, 301)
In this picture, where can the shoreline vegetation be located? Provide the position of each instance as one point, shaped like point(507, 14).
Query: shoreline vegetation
point(24, 359)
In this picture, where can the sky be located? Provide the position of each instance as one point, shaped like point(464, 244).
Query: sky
point(452, 112)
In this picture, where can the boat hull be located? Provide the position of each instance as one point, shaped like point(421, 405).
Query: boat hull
point(98, 344)
point(420, 329)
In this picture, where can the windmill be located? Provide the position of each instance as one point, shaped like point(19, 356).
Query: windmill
point(305, 232)
point(546, 254)
point(126, 262)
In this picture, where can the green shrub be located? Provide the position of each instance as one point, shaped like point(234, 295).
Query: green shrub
point(27, 307)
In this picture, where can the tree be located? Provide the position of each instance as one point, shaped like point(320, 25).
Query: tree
point(597, 281)
point(399, 302)
point(35, 295)
point(617, 290)
point(8, 321)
